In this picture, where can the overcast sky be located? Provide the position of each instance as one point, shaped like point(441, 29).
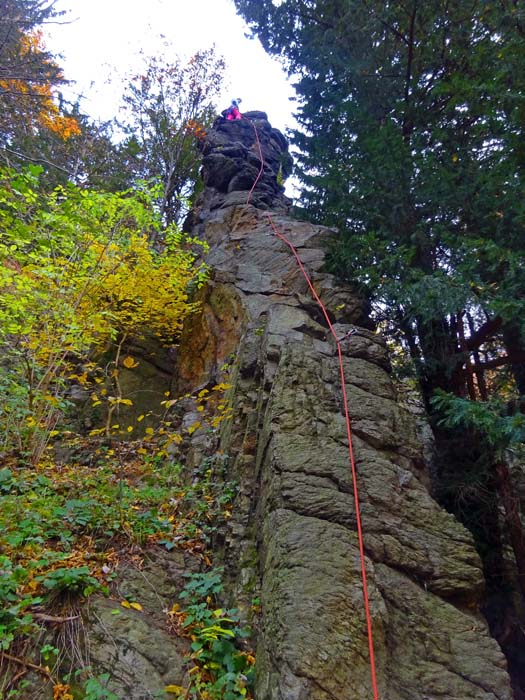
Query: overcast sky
point(101, 41)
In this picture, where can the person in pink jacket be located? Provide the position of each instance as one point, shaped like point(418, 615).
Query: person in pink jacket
point(233, 111)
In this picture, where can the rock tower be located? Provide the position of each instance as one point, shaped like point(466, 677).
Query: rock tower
point(292, 539)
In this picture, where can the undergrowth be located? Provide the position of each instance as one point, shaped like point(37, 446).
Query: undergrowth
point(64, 528)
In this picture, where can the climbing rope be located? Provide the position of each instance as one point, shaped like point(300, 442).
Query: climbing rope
point(347, 419)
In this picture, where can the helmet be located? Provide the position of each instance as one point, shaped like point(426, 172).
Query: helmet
point(237, 102)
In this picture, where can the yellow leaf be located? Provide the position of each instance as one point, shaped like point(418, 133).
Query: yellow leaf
point(177, 689)
point(129, 362)
point(130, 428)
point(149, 431)
point(127, 604)
point(194, 427)
point(125, 402)
point(141, 417)
point(61, 692)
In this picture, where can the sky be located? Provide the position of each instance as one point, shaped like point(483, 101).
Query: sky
point(99, 42)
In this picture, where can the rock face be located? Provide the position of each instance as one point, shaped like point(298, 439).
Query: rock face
point(292, 540)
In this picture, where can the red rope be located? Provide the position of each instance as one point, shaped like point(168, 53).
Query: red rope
point(348, 427)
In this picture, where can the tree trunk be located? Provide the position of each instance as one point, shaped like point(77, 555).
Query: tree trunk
point(515, 345)
point(513, 520)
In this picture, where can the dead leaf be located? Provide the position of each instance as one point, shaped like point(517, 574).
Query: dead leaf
point(129, 362)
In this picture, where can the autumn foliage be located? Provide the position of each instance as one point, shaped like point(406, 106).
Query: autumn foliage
point(35, 100)
point(29, 83)
point(78, 276)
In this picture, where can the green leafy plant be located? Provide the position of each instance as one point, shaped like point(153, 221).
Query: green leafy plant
point(73, 580)
point(225, 672)
point(96, 688)
point(78, 273)
point(15, 618)
point(501, 429)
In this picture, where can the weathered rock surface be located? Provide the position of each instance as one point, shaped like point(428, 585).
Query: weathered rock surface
point(134, 648)
point(293, 539)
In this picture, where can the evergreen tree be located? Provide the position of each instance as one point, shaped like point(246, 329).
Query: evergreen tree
point(410, 140)
point(29, 81)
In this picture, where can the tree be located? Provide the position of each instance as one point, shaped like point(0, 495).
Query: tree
point(29, 79)
point(165, 108)
point(92, 158)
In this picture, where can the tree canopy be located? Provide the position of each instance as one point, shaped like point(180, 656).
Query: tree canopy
point(167, 109)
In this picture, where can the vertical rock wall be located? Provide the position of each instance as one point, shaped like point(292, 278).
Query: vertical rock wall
point(292, 539)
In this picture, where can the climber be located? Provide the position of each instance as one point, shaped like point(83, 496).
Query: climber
point(232, 112)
